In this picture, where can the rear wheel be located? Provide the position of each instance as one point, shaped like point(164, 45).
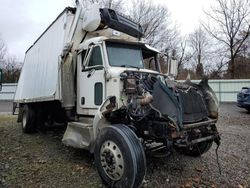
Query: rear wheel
point(197, 149)
point(40, 119)
point(28, 119)
point(119, 157)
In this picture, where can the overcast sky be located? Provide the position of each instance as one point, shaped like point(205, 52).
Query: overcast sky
point(22, 21)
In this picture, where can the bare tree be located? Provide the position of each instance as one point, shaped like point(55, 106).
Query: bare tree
point(216, 70)
point(230, 26)
point(113, 4)
point(199, 48)
point(159, 30)
point(11, 68)
point(199, 45)
point(156, 21)
point(3, 50)
point(246, 49)
point(182, 54)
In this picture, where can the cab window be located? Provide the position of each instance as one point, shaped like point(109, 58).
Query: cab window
point(95, 58)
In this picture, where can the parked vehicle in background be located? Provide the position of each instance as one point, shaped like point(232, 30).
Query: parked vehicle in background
point(243, 98)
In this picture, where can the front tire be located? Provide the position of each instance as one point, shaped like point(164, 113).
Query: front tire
point(248, 110)
point(119, 157)
point(28, 119)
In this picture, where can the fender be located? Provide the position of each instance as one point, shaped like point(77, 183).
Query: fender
point(100, 121)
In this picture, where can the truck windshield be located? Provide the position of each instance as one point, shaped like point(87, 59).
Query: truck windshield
point(124, 55)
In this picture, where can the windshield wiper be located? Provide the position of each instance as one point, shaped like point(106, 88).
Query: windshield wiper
point(131, 66)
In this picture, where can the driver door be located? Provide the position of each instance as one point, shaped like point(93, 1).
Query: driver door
point(92, 80)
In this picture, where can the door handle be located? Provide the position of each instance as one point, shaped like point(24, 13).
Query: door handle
point(90, 73)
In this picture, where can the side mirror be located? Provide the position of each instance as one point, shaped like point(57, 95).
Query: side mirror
point(173, 67)
point(83, 68)
point(1, 78)
point(150, 62)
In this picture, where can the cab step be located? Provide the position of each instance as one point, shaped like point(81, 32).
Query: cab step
point(78, 135)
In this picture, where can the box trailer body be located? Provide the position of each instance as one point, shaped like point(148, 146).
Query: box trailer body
point(92, 71)
point(40, 77)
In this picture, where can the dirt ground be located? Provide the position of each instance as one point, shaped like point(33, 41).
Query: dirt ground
point(41, 160)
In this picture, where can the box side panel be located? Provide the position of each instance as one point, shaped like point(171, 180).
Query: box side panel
point(40, 72)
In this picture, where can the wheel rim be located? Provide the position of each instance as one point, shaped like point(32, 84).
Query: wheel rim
point(24, 120)
point(112, 160)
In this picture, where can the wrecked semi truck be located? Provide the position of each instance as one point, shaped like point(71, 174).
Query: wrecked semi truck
point(88, 70)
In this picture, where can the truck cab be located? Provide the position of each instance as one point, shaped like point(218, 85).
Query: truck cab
point(101, 61)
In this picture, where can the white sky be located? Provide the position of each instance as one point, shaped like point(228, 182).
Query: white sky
point(22, 21)
point(187, 13)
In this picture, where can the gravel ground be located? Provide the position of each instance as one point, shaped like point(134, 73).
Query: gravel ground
point(41, 160)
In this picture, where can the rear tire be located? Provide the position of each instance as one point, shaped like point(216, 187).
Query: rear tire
point(28, 119)
point(119, 157)
point(40, 119)
point(196, 150)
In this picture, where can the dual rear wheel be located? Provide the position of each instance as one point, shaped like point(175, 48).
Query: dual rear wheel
point(28, 119)
point(34, 116)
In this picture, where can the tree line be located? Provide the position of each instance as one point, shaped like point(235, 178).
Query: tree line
point(9, 64)
point(218, 48)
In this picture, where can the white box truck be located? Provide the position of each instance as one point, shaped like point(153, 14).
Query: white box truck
point(90, 70)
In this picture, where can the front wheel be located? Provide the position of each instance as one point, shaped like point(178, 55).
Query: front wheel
point(119, 157)
point(248, 110)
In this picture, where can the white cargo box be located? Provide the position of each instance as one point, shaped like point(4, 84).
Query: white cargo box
point(40, 75)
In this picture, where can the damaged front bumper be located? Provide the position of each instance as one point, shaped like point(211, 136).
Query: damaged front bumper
point(195, 133)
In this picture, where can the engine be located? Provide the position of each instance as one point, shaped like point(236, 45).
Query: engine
point(162, 111)
point(138, 110)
